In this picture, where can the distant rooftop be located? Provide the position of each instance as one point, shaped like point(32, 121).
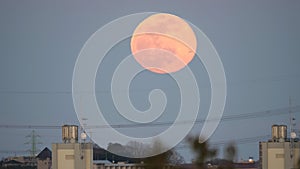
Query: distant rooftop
point(102, 162)
point(43, 155)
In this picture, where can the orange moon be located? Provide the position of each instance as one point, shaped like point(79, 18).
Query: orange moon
point(163, 43)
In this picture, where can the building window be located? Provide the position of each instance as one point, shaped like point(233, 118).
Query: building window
point(279, 155)
point(69, 157)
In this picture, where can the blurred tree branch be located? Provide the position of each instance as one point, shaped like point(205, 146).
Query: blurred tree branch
point(202, 151)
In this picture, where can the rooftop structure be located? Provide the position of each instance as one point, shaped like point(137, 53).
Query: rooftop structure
point(280, 152)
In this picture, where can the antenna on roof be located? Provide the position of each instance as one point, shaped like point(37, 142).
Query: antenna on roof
point(293, 134)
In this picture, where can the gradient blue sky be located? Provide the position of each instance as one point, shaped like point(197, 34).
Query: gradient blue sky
point(258, 42)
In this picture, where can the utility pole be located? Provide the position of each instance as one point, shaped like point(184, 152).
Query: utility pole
point(33, 143)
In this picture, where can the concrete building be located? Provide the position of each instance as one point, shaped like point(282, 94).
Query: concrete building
point(19, 161)
point(280, 152)
point(44, 159)
point(279, 155)
point(105, 164)
point(70, 154)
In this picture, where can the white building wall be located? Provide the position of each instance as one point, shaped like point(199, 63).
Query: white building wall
point(72, 156)
point(277, 155)
point(276, 158)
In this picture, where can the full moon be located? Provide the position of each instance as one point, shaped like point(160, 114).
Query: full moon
point(163, 43)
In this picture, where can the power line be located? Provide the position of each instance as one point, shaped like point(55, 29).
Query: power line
point(259, 79)
point(9, 126)
point(274, 112)
point(235, 141)
point(268, 113)
point(185, 146)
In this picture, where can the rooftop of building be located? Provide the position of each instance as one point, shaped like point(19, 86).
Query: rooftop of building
point(44, 154)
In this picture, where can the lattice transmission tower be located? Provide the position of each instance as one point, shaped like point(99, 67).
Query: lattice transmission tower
point(33, 142)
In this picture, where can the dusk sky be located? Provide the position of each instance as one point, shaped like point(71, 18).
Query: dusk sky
point(257, 41)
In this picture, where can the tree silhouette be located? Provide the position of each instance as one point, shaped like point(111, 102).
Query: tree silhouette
point(202, 151)
point(158, 161)
point(161, 161)
point(230, 152)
